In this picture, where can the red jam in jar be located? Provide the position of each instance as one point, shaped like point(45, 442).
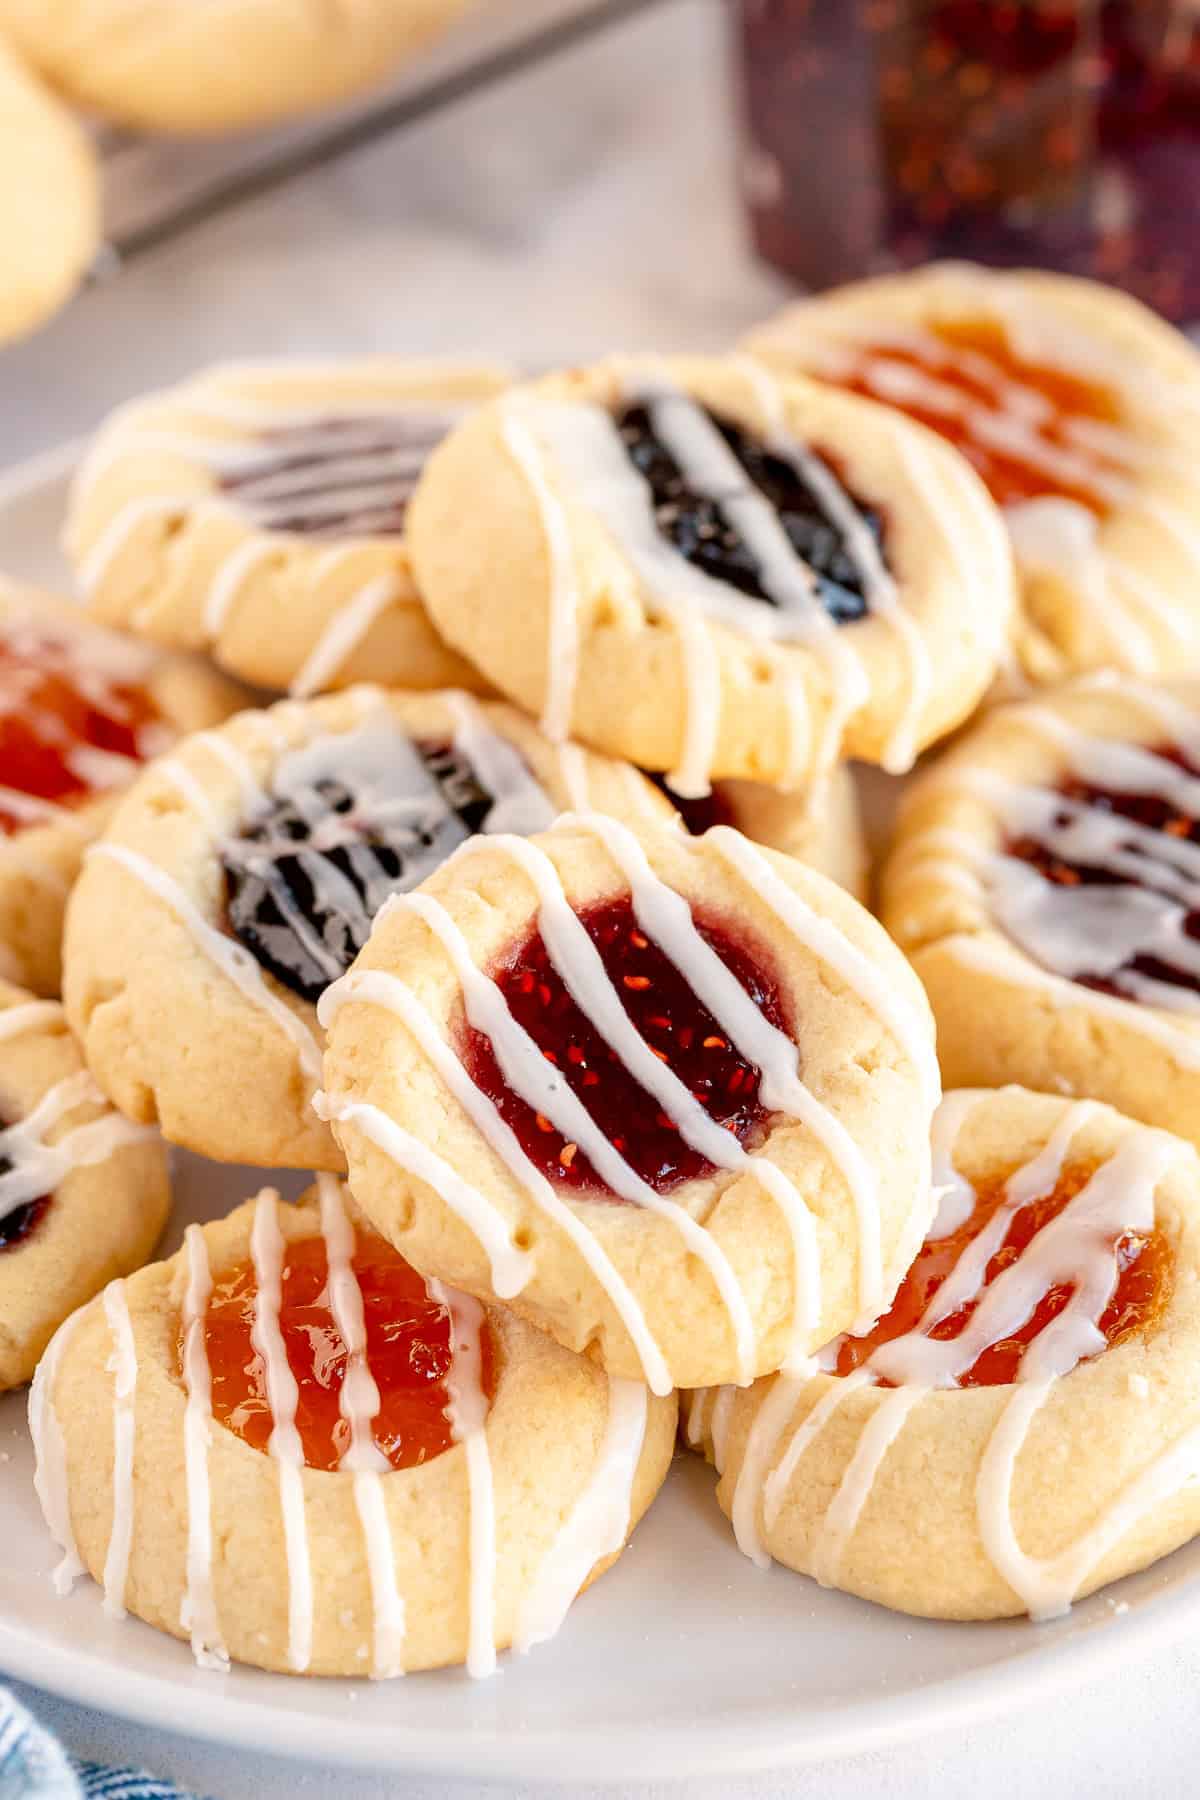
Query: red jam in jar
point(1063, 133)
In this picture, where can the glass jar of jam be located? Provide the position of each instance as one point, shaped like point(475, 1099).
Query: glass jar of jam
point(1062, 133)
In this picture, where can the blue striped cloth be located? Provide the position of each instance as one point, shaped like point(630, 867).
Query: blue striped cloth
point(34, 1766)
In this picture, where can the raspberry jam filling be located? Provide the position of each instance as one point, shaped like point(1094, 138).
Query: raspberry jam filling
point(973, 388)
point(21, 1221)
point(409, 1353)
point(1143, 1270)
point(699, 815)
point(328, 477)
point(305, 880)
point(1150, 812)
point(698, 527)
point(59, 720)
point(671, 1019)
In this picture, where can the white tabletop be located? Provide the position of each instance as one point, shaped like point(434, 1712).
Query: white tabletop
point(583, 207)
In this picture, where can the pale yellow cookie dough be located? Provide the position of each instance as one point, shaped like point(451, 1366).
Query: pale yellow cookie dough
point(108, 1187)
point(520, 571)
point(162, 547)
point(912, 1511)
point(820, 1235)
point(545, 1438)
point(226, 1059)
point(1114, 590)
point(39, 863)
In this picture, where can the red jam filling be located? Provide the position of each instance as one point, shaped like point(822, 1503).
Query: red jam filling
point(1009, 478)
point(48, 713)
point(699, 815)
point(1143, 1269)
point(671, 1019)
point(1155, 813)
point(408, 1354)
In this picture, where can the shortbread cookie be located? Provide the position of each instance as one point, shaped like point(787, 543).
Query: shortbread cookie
point(1081, 411)
point(690, 1079)
point(80, 710)
point(1024, 1425)
point(259, 512)
point(286, 1446)
point(241, 875)
point(823, 828)
point(715, 572)
point(83, 1193)
point(1046, 883)
point(49, 200)
point(163, 65)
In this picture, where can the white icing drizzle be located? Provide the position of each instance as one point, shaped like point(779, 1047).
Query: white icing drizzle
point(719, 1422)
point(95, 567)
point(38, 1166)
point(284, 1446)
point(31, 1015)
point(467, 1411)
point(231, 576)
point(198, 1613)
point(1076, 1247)
point(595, 1527)
point(51, 1479)
point(124, 1368)
point(343, 634)
point(359, 1403)
point(562, 637)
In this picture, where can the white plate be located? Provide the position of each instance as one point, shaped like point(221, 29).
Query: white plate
point(684, 1660)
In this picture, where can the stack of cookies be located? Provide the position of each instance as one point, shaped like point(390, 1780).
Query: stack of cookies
point(534, 921)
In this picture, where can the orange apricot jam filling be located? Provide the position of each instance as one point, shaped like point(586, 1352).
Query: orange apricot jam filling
point(54, 710)
point(409, 1352)
point(1143, 1282)
point(975, 377)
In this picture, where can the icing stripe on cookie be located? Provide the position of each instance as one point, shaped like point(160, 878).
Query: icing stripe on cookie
point(125, 1370)
point(468, 1413)
point(198, 1613)
point(51, 1476)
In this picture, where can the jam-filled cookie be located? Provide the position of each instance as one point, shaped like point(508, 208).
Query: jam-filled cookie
point(259, 511)
point(1023, 1425)
point(83, 1192)
point(714, 571)
point(688, 1079)
point(80, 710)
point(240, 878)
point(1046, 879)
point(164, 66)
point(1081, 411)
point(367, 1473)
point(52, 176)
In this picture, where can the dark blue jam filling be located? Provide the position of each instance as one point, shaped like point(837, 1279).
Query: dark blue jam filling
point(698, 528)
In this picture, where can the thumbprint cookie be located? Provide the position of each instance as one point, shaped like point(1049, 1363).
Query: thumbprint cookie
point(83, 1193)
point(51, 175)
point(714, 571)
point(1023, 1425)
point(1080, 409)
point(1045, 878)
point(80, 710)
point(240, 877)
point(288, 1448)
point(163, 65)
point(259, 512)
point(668, 1097)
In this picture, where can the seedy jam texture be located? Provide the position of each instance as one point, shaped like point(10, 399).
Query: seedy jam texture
point(699, 529)
point(342, 475)
point(982, 379)
point(1153, 813)
point(304, 881)
point(409, 1353)
point(672, 1020)
point(56, 714)
point(1143, 1279)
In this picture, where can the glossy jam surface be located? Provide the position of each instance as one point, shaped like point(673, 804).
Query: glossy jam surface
point(700, 530)
point(54, 711)
point(1143, 1278)
point(341, 850)
point(1154, 813)
point(975, 362)
point(22, 1221)
point(408, 1354)
point(699, 815)
point(333, 476)
point(669, 1016)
